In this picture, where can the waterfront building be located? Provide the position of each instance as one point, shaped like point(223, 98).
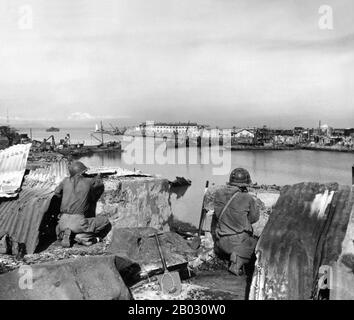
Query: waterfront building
point(263, 136)
point(298, 130)
point(326, 130)
point(243, 136)
point(349, 132)
point(164, 128)
point(287, 140)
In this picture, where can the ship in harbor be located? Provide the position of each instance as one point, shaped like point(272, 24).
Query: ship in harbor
point(67, 148)
point(105, 146)
point(53, 129)
point(115, 131)
point(100, 129)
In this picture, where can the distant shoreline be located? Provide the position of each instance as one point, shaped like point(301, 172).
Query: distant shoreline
point(285, 148)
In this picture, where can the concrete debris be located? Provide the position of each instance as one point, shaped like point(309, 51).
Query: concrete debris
point(212, 284)
point(138, 245)
point(136, 202)
point(55, 252)
point(89, 278)
point(151, 291)
point(39, 159)
point(202, 263)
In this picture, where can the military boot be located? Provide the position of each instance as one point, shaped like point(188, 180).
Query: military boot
point(237, 265)
point(66, 242)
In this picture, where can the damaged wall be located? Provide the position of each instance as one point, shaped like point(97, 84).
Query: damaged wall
point(136, 202)
point(139, 245)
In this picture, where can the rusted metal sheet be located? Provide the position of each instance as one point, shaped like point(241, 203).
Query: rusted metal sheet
point(21, 218)
point(304, 231)
point(12, 168)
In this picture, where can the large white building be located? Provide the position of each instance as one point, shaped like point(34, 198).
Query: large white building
point(160, 128)
point(244, 133)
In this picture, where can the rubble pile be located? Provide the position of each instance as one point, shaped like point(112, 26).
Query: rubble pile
point(135, 246)
point(42, 158)
point(53, 253)
point(139, 245)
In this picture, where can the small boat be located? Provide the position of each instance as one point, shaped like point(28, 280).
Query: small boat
point(101, 130)
point(53, 129)
point(107, 146)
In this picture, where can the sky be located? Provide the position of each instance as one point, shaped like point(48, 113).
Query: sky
point(218, 62)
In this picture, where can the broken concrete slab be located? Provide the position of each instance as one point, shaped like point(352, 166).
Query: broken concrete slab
point(135, 244)
point(136, 202)
point(86, 278)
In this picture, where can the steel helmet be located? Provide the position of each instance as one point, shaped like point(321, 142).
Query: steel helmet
point(240, 177)
point(77, 167)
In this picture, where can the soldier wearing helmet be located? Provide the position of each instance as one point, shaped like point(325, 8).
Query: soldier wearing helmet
point(235, 212)
point(79, 195)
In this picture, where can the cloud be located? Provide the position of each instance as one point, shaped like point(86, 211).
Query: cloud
point(80, 116)
point(195, 60)
point(17, 119)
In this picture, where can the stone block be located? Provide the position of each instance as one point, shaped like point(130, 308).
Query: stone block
point(136, 245)
point(85, 278)
point(136, 202)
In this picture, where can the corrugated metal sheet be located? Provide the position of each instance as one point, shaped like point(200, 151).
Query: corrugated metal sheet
point(338, 224)
point(21, 218)
point(47, 177)
point(305, 230)
point(12, 168)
